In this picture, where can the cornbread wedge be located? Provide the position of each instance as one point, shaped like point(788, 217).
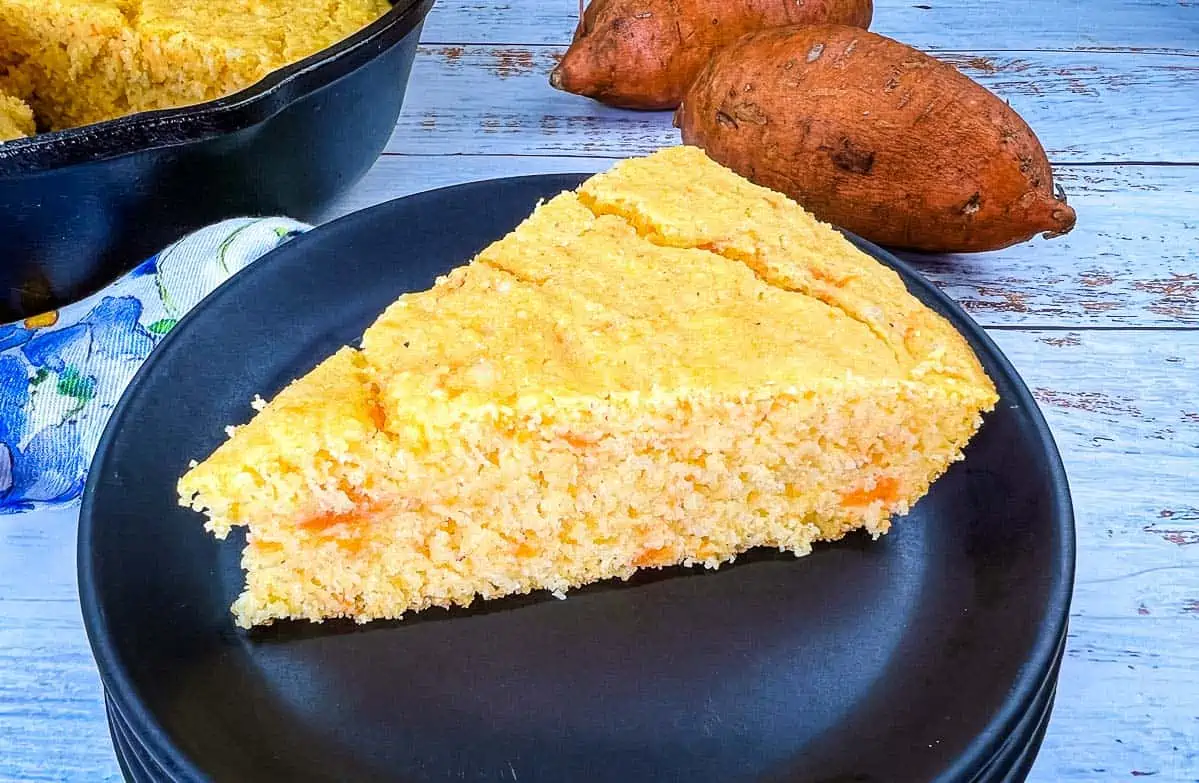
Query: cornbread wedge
point(670, 365)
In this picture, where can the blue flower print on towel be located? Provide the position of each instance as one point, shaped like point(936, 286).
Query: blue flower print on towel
point(62, 373)
point(48, 432)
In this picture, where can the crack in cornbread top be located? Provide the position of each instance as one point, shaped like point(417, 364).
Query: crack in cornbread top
point(573, 304)
point(787, 247)
point(626, 288)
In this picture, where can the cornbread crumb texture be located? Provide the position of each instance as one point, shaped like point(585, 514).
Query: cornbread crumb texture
point(639, 375)
point(83, 61)
point(16, 118)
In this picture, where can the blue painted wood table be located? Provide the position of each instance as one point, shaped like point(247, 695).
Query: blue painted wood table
point(1103, 324)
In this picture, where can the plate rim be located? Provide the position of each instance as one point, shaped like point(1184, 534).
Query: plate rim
point(117, 681)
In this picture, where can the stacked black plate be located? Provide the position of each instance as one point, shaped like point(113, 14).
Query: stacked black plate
point(928, 655)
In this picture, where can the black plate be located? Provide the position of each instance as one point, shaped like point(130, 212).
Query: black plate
point(131, 757)
point(1011, 765)
point(1015, 758)
point(918, 654)
point(1022, 763)
point(81, 205)
point(133, 752)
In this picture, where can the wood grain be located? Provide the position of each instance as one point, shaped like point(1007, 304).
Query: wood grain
point(1084, 106)
point(942, 24)
point(52, 725)
point(1126, 417)
point(1132, 260)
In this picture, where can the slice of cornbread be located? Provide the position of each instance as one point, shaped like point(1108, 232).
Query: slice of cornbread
point(670, 365)
point(83, 61)
point(16, 118)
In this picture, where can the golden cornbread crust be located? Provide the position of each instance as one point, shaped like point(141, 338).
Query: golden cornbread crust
point(16, 118)
point(83, 61)
point(670, 365)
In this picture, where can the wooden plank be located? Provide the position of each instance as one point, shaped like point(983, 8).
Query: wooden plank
point(1132, 260)
point(1124, 411)
point(52, 725)
point(941, 24)
point(1124, 416)
point(1084, 106)
point(1125, 706)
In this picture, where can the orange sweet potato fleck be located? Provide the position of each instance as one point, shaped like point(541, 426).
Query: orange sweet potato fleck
point(885, 489)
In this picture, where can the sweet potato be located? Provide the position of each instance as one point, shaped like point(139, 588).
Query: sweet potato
point(876, 137)
point(642, 54)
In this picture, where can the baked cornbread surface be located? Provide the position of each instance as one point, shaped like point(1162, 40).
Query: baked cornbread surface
point(670, 365)
point(82, 61)
point(16, 118)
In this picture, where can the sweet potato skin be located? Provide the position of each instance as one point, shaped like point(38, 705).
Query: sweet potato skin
point(643, 54)
point(876, 137)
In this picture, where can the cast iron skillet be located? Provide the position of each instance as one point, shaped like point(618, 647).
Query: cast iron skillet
point(81, 205)
point(916, 655)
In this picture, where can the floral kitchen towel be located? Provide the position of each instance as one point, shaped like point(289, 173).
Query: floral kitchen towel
point(62, 372)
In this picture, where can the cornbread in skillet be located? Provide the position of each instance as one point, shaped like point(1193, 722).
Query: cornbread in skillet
point(16, 118)
point(670, 365)
point(83, 61)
